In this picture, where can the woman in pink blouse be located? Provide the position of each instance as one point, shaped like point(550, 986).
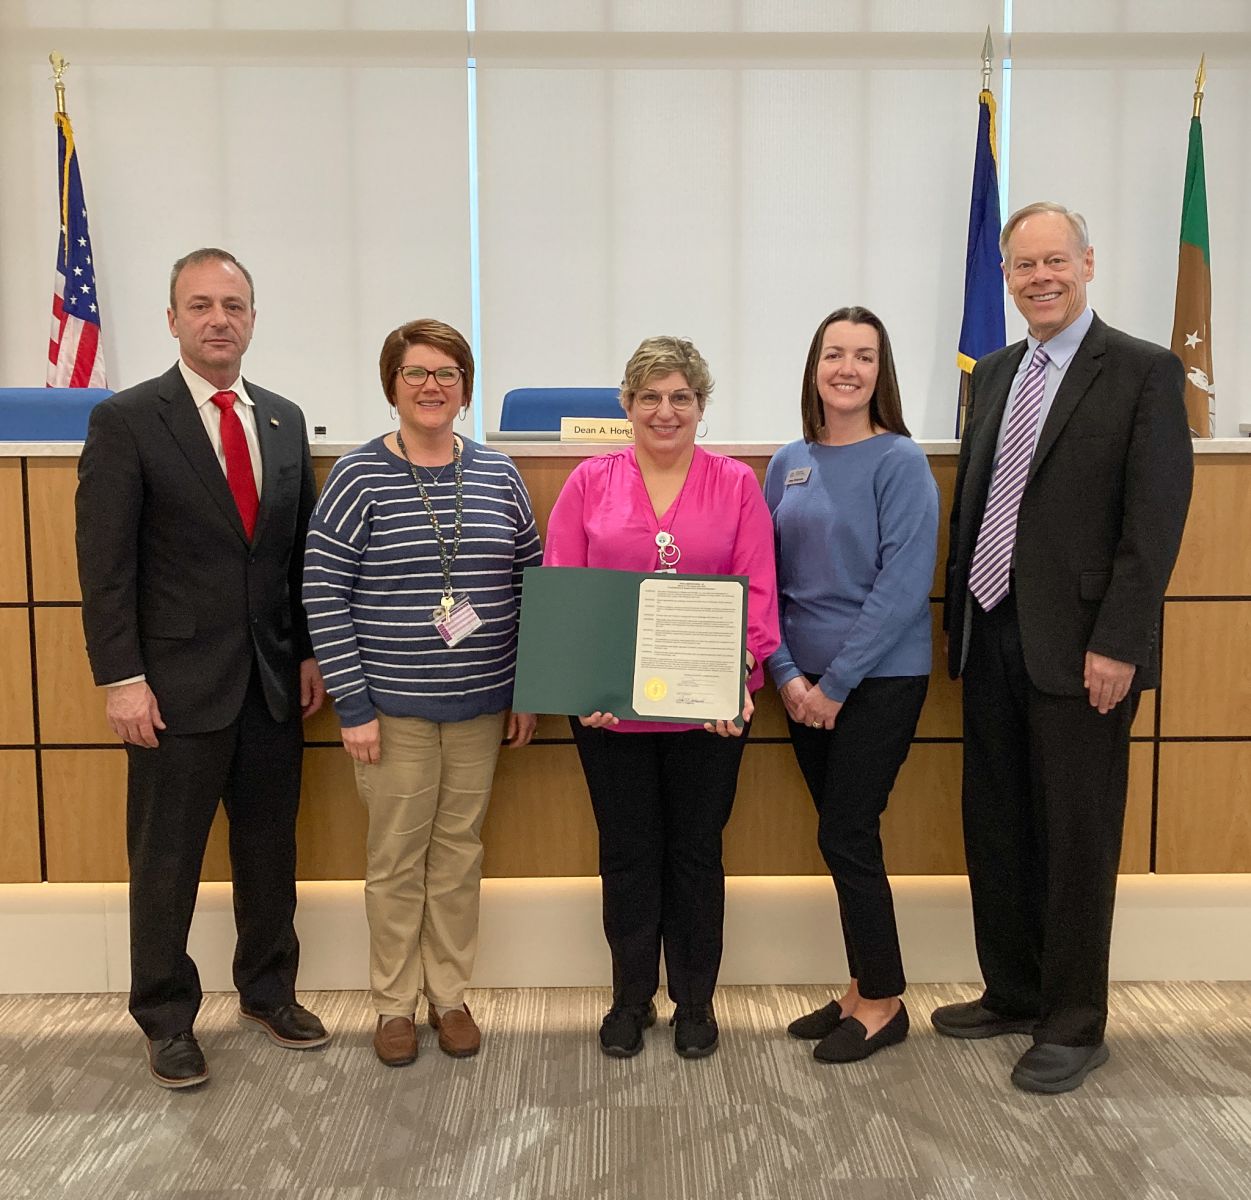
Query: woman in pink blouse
point(662, 793)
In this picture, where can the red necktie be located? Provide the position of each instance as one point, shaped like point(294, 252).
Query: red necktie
point(238, 461)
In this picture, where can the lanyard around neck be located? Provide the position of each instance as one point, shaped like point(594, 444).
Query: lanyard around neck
point(445, 559)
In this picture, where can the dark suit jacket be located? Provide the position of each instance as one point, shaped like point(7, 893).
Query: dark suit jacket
point(1102, 513)
point(171, 587)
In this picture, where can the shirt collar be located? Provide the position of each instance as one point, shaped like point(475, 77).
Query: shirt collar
point(202, 391)
point(1062, 347)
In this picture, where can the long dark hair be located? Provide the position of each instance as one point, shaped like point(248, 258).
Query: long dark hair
point(885, 408)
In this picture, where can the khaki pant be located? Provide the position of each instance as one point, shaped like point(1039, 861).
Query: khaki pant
point(426, 800)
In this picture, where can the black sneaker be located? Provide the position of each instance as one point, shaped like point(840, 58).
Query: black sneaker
point(621, 1033)
point(819, 1024)
point(695, 1032)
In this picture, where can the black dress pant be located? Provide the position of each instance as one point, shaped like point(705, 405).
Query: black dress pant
point(850, 771)
point(1044, 805)
point(253, 767)
point(661, 803)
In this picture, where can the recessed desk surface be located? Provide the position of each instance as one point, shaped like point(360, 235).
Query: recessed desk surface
point(62, 772)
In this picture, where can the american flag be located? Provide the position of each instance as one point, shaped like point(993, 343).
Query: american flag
point(75, 356)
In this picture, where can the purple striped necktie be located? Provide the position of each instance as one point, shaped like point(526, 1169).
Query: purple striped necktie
point(992, 556)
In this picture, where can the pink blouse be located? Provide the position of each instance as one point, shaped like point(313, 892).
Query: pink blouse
point(720, 522)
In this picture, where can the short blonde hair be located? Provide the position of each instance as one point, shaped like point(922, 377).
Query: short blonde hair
point(658, 356)
point(1077, 223)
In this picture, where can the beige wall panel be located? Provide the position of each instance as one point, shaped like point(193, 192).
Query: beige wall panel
point(16, 713)
point(71, 707)
point(1213, 560)
point(1136, 843)
point(1207, 682)
point(54, 567)
point(540, 821)
point(943, 711)
point(1204, 820)
point(773, 828)
point(921, 830)
point(944, 468)
point(1144, 722)
point(323, 725)
point(544, 477)
point(19, 818)
point(12, 532)
point(330, 835)
point(84, 812)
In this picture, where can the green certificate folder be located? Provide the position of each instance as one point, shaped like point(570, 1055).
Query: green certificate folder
point(641, 645)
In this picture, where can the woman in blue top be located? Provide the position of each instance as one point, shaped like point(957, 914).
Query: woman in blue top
point(855, 510)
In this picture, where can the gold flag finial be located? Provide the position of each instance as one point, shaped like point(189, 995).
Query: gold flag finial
point(58, 71)
point(1201, 79)
point(988, 55)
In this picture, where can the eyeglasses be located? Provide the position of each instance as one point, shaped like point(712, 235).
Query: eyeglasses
point(443, 376)
point(679, 401)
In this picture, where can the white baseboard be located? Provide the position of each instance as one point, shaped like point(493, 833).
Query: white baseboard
point(546, 933)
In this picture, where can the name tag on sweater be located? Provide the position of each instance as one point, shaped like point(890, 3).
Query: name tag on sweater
point(798, 475)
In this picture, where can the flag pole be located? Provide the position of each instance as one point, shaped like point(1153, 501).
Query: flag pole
point(1201, 79)
point(58, 72)
point(988, 58)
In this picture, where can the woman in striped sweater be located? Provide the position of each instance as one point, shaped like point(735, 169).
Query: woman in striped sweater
point(412, 583)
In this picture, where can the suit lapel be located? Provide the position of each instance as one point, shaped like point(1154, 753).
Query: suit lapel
point(1082, 372)
point(268, 436)
point(183, 419)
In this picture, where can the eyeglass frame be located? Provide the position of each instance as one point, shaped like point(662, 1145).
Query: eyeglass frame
point(460, 375)
point(695, 394)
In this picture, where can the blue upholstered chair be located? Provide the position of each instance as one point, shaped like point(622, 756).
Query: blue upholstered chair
point(540, 409)
point(47, 414)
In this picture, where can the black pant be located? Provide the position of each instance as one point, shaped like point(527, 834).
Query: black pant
point(850, 771)
point(1044, 805)
point(661, 802)
point(253, 767)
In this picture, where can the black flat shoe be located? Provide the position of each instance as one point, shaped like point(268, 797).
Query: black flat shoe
point(621, 1032)
point(973, 1020)
point(290, 1025)
point(1051, 1069)
point(695, 1033)
point(177, 1062)
point(850, 1042)
point(817, 1025)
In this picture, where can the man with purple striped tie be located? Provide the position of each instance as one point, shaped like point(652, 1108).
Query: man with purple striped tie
point(1074, 480)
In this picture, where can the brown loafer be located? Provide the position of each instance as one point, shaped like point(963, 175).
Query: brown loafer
point(395, 1041)
point(459, 1036)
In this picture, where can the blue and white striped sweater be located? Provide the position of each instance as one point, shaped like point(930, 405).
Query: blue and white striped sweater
point(372, 578)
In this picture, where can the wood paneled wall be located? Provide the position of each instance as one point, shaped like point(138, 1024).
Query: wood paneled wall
point(62, 772)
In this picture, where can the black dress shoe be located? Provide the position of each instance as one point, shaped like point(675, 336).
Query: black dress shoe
point(290, 1025)
point(817, 1025)
point(177, 1062)
point(1050, 1069)
point(849, 1042)
point(621, 1032)
point(973, 1020)
point(695, 1033)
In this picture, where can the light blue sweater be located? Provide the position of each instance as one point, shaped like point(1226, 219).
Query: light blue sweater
point(856, 542)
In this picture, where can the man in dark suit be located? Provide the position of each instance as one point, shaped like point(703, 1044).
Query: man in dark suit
point(1071, 495)
point(193, 500)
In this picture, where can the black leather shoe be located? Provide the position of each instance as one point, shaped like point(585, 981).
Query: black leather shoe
point(1050, 1069)
point(621, 1033)
point(177, 1062)
point(695, 1033)
point(973, 1020)
point(850, 1042)
point(290, 1025)
point(817, 1025)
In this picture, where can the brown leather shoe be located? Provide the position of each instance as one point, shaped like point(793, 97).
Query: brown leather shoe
point(459, 1036)
point(395, 1041)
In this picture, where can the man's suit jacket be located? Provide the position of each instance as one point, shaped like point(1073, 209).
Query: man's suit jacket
point(1102, 514)
point(172, 588)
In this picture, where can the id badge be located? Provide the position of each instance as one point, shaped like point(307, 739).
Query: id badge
point(455, 624)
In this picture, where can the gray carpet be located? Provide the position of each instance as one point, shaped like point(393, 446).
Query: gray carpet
point(541, 1114)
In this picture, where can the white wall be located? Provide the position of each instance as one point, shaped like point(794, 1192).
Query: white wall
point(726, 169)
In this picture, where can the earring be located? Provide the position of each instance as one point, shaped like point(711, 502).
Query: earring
point(705, 425)
point(395, 413)
point(464, 408)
